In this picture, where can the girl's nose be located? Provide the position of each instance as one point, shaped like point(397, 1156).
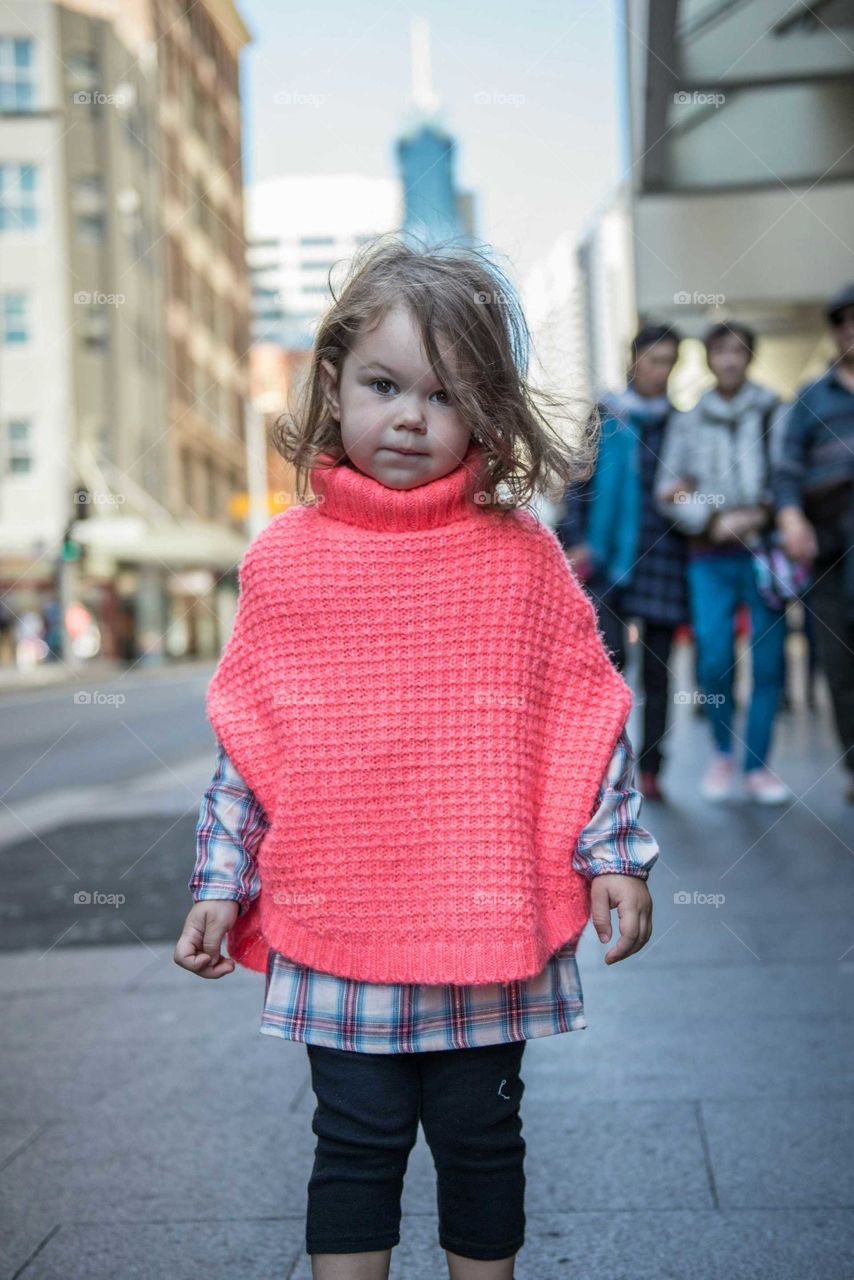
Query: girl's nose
point(410, 415)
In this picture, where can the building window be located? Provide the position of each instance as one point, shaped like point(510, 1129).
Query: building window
point(104, 440)
point(95, 327)
point(18, 197)
point(17, 87)
point(211, 490)
point(305, 241)
point(88, 206)
point(187, 471)
point(14, 319)
point(237, 414)
point(19, 457)
point(83, 69)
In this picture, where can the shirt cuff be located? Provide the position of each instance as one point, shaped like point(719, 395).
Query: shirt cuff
point(619, 867)
point(213, 894)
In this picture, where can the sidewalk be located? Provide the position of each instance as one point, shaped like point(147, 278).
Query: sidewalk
point(701, 1126)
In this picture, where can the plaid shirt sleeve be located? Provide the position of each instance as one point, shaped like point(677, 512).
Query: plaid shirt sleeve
point(229, 830)
point(614, 842)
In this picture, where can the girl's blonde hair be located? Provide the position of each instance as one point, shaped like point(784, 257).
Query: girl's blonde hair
point(459, 294)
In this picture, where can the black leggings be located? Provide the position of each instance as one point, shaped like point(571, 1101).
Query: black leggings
point(366, 1122)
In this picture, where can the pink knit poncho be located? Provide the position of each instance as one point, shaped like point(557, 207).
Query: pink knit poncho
point(416, 690)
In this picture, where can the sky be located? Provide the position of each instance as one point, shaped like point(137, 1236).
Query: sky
point(540, 153)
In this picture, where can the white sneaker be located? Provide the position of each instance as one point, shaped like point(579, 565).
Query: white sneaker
point(719, 778)
point(765, 787)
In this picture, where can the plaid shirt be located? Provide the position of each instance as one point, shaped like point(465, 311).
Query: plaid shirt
point(345, 1013)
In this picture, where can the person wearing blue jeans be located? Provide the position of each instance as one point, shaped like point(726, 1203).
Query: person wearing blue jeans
point(718, 583)
point(714, 480)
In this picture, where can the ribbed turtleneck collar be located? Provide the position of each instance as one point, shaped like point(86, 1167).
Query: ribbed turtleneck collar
point(356, 498)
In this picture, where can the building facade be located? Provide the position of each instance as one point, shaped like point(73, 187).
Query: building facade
point(123, 278)
point(737, 196)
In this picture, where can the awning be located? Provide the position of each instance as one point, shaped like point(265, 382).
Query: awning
point(184, 544)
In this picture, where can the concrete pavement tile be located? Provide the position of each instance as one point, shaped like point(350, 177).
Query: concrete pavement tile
point(669, 1059)
point(166, 1165)
point(797, 1155)
point(741, 989)
point(168, 1251)
point(66, 1051)
point(21, 1239)
point(797, 1245)
point(74, 968)
point(596, 1152)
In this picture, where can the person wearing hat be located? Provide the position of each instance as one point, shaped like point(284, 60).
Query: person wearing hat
point(814, 500)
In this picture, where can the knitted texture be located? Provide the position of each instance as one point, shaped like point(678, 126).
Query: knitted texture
point(417, 692)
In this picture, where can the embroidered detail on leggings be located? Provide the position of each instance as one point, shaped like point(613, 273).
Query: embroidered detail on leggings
point(503, 1095)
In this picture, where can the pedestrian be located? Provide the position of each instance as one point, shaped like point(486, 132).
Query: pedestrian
point(714, 481)
point(814, 498)
point(630, 556)
point(423, 786)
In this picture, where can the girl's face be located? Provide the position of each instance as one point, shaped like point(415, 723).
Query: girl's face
point(387, 399)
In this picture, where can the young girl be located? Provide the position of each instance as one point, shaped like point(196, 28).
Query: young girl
point(423, 782)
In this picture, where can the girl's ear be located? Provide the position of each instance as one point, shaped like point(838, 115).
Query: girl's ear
point(329, 385)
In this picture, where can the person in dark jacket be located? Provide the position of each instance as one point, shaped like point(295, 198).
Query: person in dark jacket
point(630, 556)
point(814, 498)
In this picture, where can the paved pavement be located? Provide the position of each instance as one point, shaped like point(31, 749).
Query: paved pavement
point(701, 1126)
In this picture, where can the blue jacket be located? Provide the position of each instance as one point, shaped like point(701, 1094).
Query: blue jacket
point(605, 511)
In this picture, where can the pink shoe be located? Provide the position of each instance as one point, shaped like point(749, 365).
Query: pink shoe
point(766, 787)
point(719, 777)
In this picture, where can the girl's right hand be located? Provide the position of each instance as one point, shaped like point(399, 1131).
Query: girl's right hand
point(206, 925)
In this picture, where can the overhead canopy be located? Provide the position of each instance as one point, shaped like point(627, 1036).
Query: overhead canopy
point(179, 545)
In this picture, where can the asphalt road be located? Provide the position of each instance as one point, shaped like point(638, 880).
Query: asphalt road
point(100, 786)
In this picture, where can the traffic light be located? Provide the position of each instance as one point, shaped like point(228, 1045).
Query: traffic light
point(70, 548)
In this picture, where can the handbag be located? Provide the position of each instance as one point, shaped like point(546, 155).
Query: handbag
point(779, 578)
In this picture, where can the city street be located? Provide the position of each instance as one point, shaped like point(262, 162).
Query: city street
point(700, 1125)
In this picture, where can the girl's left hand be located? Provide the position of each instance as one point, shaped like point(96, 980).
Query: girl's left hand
point(631, 897)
